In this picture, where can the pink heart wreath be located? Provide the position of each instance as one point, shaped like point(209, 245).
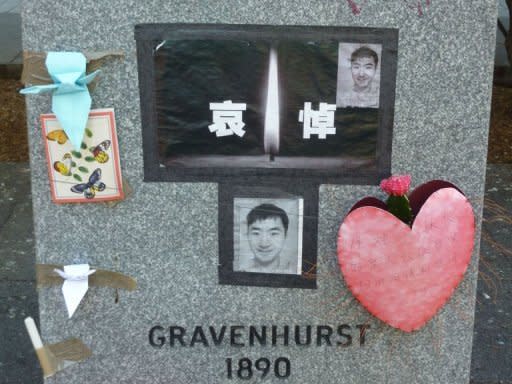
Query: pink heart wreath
point(405, 265)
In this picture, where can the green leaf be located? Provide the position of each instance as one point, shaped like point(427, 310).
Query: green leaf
point(83, 146)
point(88, 132)
point(89, 159)
point(77, 177)
point(76, 154)
point(399, 206)
point(83, 169)
point(73, 164)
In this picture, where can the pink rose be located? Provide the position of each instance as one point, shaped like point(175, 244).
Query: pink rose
point(397, 185)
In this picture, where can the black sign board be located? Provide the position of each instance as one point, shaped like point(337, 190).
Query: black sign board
point(230, 101)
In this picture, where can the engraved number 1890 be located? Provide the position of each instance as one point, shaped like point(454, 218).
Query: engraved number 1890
point(246, 369)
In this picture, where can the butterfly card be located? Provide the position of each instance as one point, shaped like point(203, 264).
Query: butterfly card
point(90, 175)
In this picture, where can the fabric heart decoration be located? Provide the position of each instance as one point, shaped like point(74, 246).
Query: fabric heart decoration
point(403, 274)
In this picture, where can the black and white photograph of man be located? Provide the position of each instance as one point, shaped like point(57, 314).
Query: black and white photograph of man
point(268, 235)
point(358, 75)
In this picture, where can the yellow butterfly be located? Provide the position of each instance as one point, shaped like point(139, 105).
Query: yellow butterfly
point(65, 166)
point(58, 135)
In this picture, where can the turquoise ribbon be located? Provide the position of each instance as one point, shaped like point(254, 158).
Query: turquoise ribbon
point(71, 101)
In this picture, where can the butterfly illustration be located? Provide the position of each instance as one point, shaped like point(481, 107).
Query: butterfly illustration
point(58, 135)
point(65, 166)
point(99, 151)
point(90, 188)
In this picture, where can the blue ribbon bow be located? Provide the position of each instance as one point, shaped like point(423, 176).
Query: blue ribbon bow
point(71, 101)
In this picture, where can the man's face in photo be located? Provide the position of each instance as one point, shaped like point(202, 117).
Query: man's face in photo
point(363, 71)
point(266, 239)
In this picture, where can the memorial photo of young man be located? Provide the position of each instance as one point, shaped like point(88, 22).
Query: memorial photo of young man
point(267, 238)
point(358, 75)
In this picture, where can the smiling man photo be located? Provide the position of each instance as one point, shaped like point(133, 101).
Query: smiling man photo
point(267, 227)
point(365, 88)
point(268, 240)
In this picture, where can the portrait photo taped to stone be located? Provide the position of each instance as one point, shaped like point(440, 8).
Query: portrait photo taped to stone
point(268, 235)
point(358, 75)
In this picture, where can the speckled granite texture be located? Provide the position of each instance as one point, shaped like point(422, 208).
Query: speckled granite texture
point(165, 235)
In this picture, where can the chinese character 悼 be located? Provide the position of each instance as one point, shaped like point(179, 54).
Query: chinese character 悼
point(319, 122)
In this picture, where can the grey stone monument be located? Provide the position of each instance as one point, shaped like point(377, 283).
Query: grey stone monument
point(166, 234)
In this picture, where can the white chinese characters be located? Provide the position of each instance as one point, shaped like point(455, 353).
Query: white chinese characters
point(319, 122)
point(227, 118)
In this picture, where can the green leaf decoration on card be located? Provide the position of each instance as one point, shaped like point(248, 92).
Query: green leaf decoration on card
point(83, 146)
point(78, 155)
point(77, 177)
point(73, 164)
point(83, 169)
point(88, 132)
point(90, 159)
